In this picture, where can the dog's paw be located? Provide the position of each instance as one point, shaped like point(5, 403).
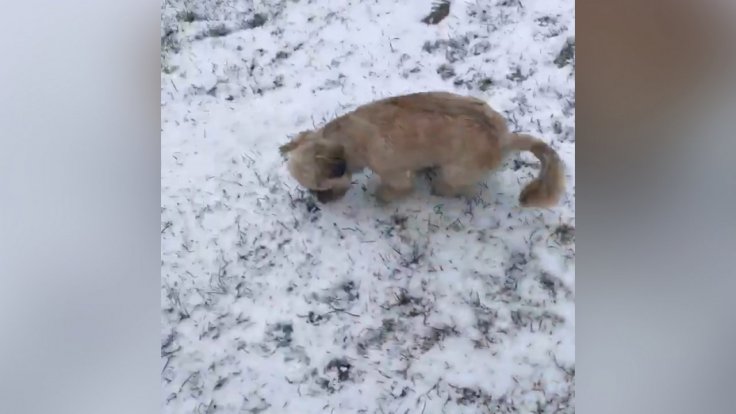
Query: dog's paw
point(440, 189)
point(383, 195)
point(328, 196)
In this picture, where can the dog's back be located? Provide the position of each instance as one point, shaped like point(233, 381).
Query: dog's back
point(431, 128)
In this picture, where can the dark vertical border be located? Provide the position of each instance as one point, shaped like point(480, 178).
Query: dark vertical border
point(653, 283)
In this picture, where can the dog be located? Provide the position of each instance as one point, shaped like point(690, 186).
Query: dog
point(460, 137)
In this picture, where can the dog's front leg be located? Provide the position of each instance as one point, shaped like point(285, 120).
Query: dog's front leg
point(394, 185)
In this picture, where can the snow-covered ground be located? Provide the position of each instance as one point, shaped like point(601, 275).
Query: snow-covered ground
point(273, 303)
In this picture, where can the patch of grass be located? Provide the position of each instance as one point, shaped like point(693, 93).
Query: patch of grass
point(446, 71)
point(413, 256)
point(481, 47)
point(350, 290)
point(517, 164)
point(315, 318)
point(516, 75)
point(189, 16)
point(545, 21)
point(375, 337)
point(455, 49)
point(399, 220)
point(170, 42)
point(168, 69)
point(468, 396)
point(325, 384)
point(440, 10)
point(309, 202)
point(485, 84)
point(219, 30)
point(281, 334)
point(341, 366)
point(566, 55)
point(510, 3)
point(548, 283)
point(533, 320)
point(565, 234)
point(430, 47)
point(257, 20)
point(515, 270)
point(557, 127)
point(437, 336)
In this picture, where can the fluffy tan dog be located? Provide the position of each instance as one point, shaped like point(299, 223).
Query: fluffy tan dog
point(462, 137)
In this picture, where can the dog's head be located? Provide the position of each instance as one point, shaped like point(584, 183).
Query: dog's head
point(316, 163)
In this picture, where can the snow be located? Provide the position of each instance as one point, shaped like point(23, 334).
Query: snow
point(274, 303)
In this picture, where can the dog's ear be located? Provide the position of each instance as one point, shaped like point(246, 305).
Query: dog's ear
point(331, 160)
point(291, 145)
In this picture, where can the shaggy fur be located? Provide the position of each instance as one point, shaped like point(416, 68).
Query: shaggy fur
point(461, 137)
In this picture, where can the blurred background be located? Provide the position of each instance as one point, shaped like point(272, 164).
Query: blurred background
point(655, 127)
point(80, 163)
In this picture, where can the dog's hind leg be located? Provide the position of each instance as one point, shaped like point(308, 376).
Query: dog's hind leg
point(456, 180)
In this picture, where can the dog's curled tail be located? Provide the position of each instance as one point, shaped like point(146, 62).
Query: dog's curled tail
point(549, 186)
